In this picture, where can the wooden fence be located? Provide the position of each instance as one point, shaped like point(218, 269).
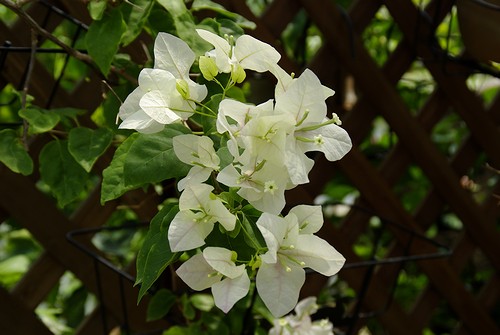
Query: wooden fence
point(344, 63)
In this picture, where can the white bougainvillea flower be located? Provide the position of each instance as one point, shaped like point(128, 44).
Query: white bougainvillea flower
point(234, 115)
point(134, 117)
point(199, 152)
point(175, 56)
point(199, 210)
point(262, 184)
point(304, 99)
point(301, 323)
point(216, 268)
point(291, 247)
point(264, 138)
point(285, 79)
point(165, 94)
point(247, 52)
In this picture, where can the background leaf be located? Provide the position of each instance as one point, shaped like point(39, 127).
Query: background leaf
point(135, 14)
point(87, 145)
point(59, 170)
point(103, 39)
point(39, 120)
point(155, 254)
point(13, 154)
point(113, 182)
point(160, 304)
point(151, 158)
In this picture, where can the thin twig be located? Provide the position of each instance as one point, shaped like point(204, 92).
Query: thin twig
point(16, 8)
point(27, 79)
point(41, 31)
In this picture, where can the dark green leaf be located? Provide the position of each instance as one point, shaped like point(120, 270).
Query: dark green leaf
point(113, 183)
point(155, 254)
point(103, 39)
point(87, 145)
point(151, 158)
point(59, 170)
point(39, 120)
point(135, 14)
point(13, 154)
point(160, 304)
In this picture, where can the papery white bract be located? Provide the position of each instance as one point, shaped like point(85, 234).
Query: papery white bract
point(300, 323)
point(200, 209)
point(291, 247)
point(216, 268)
point(165, 94)
point(199, 152)
point(246, 53)
point(262, 184)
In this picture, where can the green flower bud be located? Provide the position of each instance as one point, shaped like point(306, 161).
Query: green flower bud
point(237, 74)
point(182, 87)
point(208, 67)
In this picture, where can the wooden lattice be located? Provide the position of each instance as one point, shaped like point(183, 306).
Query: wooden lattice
point(342, 58)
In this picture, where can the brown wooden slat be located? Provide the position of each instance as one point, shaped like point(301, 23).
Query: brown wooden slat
point(49, 228)
point(390, 105)
point(16, 319)
point(40, 279)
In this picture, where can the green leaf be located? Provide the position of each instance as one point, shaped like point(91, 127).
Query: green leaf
point(160, 304)
point(185, 25)
point(96, 8)
point(135, 14)
point(103, 39)
point(87, 145)
point(39, 120)
point(174, 7)
point(113, 182)
point(151, 158)
point(155, 254)
point(218, 8)
point(59, 170)
point(13, 154)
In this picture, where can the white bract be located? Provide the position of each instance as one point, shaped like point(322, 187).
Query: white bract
point(199, 152)
point(303, 98)
point(165, 94)
point(216, 268)
point(246, 52)
point(291, 247)
point(266, 155)
point(300, 323)
point(200, 209)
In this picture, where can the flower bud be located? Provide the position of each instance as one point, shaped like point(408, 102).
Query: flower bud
point(182, 87)
point(208, 67)
point(237, 73)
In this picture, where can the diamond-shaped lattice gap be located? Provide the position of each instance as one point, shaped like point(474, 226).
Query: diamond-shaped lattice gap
point(412, 188)
point(415, 87)
point(382, 36)
point(449, 133)
point(66, 306)
point(18, 251)
point(58, 64)
point(302, 39)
